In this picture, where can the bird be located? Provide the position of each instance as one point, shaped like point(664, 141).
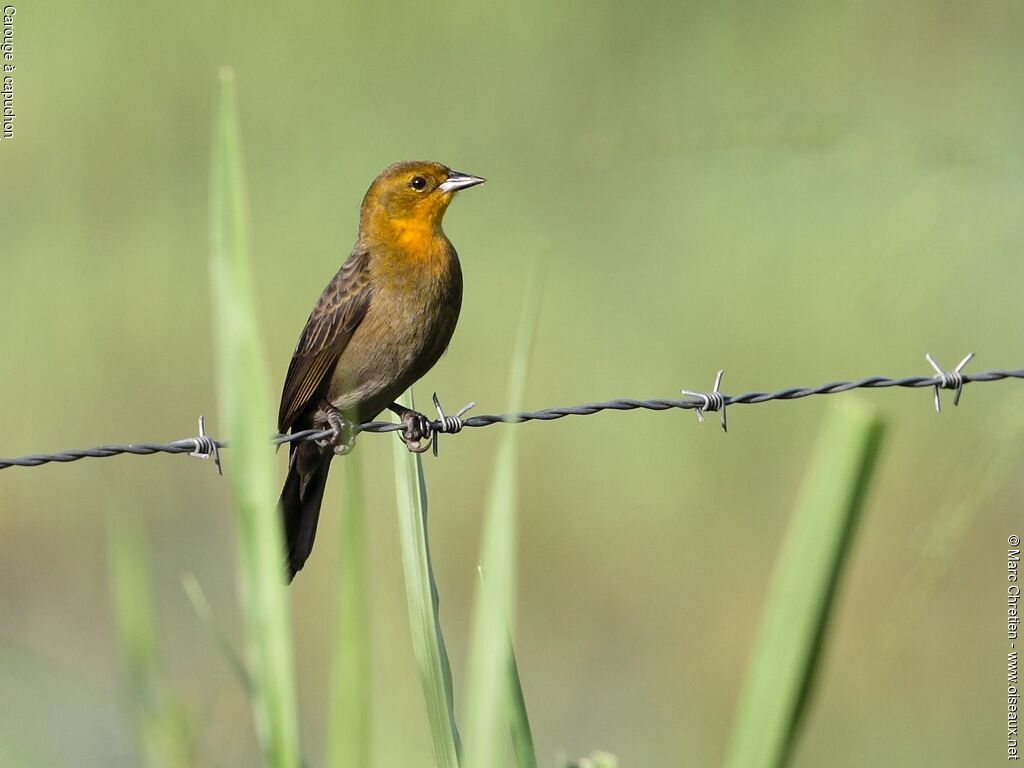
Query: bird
point(381, 323)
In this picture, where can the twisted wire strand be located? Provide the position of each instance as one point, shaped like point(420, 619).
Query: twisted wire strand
point(191, 446)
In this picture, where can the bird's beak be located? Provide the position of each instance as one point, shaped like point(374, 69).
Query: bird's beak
point(457, 180)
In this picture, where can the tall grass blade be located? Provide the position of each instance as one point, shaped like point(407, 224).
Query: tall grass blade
point(494, 699)
point(245, 411)
point(196, 596)
point(348, 740)
point(803, 587)
point(522, 733)
point(161, 727)
point(423, 602)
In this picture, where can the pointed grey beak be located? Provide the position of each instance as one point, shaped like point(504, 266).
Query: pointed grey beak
point(457, 180)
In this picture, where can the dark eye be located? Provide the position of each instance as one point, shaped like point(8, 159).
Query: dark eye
point(418, 183)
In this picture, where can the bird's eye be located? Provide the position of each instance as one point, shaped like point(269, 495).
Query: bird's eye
point(418, 183)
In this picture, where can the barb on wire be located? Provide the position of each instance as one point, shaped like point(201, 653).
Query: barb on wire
point(712, 401)
point(450, 425)
point(699, 402)
point(948, 379)
point(206, 446)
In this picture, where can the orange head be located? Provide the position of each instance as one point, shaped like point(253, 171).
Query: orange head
point(410, 198)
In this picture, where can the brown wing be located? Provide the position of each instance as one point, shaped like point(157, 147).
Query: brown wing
point(330, 326)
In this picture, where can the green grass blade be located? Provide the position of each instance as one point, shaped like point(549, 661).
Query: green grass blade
point(245, 410)
point(487, 680)
point(803, 587)
point(522, 734)
point(201, 606)
point(490, 683)
point(348, 740)
point(161, 727)
point(422, 598)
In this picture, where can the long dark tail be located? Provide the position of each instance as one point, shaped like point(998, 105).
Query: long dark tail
point(301, 497)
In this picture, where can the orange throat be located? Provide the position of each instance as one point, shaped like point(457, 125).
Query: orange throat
point(418, 239)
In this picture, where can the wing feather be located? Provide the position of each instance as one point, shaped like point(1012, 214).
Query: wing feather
point(331, 324)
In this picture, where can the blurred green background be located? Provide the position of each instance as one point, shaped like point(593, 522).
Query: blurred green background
point(795, 192)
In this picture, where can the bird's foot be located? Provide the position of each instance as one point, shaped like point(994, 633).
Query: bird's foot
point(416, 430)
point(343, 439)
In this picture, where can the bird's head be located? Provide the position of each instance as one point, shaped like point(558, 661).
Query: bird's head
point(411, 197)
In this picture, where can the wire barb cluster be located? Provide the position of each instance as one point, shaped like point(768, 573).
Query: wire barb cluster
point(948, 379)
point(713, 401)
point(449, 425)
point(204, 446)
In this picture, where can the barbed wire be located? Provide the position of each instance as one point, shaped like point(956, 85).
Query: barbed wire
point(204, 446)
